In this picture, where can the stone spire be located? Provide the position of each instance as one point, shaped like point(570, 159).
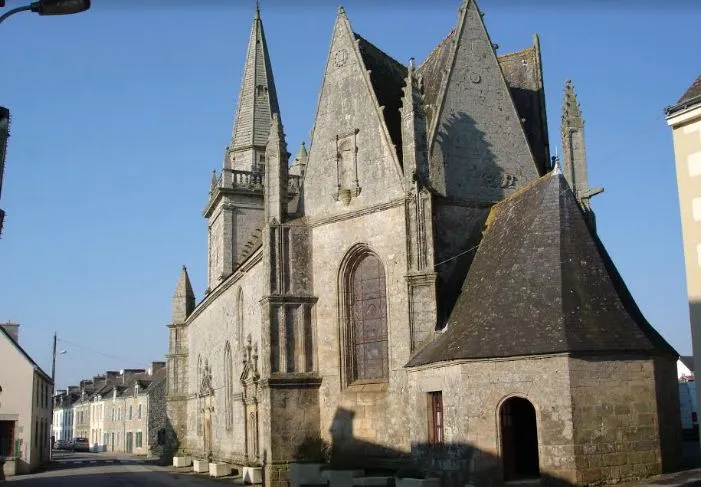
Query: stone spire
point(299, 165)
point(183, 299)
point(574, 156)
point(256, 104)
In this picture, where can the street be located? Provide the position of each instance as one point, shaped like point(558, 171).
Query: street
point(104, 469)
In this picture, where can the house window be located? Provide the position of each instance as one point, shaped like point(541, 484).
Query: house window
point(139, 412)
point(365, 315)
point(693, 417)
point(130, 411)
point(435, 418)
point(139, 442)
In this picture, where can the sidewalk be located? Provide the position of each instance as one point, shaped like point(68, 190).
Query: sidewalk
point(676, 479)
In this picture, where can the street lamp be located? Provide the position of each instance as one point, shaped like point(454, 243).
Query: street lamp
point(49, 7)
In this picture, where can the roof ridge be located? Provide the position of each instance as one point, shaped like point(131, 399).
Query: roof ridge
point(437, 48)
point(399, 64)
point(514, 53)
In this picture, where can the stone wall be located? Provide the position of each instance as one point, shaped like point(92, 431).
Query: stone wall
point(354, 417)
point(215, 322)
point(616, 422)
point(473, 393)
point(669, 413)
point(157, 418)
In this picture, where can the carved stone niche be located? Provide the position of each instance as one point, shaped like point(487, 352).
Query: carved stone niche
point(347, 186)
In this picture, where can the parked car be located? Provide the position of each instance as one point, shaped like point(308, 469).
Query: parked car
point(80, 444)
point(62, 445)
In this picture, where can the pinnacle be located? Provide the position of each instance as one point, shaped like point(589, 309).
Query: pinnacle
point(570, 106)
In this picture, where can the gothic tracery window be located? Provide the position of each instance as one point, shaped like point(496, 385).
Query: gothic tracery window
point(228, 387)
point(367, 356)
point(239, 319)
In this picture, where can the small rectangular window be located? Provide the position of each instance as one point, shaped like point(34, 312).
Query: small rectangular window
point(435, 418)
point(693, 417)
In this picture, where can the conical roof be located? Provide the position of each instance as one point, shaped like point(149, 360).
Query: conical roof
point(257, 98)
point(542, 283)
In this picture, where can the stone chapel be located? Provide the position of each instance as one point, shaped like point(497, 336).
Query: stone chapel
point(421, 289)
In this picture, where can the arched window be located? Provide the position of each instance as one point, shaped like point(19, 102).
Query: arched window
point(364, 315)
point(228, 387)
point(239, 319)
point(199, 400)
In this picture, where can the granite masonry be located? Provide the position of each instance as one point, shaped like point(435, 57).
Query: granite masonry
point(421, 290)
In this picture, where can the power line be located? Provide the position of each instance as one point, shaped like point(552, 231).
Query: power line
point(115, 357)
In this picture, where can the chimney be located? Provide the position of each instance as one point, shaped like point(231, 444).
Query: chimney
point(156, 366)
point(12, 329)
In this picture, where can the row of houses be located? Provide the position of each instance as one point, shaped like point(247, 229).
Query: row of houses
point(119, 411)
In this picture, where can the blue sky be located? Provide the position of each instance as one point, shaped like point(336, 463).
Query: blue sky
point(121, 113)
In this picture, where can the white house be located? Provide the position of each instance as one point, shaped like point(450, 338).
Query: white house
point(25, 407)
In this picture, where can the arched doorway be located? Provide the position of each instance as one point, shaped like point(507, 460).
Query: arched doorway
point(519, 439)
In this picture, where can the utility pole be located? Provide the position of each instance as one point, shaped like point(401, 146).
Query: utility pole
point(53, 363)
point(53, 394)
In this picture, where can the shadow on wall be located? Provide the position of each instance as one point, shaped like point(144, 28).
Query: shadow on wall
point(457, 464)
point(470, 173)
point(167, 442)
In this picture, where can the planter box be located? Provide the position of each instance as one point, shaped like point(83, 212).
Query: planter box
point(182, 461)
point(340, 478)
point(409, 482)
point(219, 469)
point(9, 466)
point(252, 475)
point(200, 466)
point(372, 481)
point(305, 474)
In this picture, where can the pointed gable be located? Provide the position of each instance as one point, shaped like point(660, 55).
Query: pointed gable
point(478, 148)
point(257, 97)
point(542, 283)
point(353, 161)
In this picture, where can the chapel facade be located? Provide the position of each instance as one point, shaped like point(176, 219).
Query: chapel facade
point(422, 289)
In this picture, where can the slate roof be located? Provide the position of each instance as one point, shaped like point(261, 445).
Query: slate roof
point(522, 73)
point(694, 91)
point(542, 283)
point(388, 77)
point(690, 97)
point(29, 359)
point(688, 361)
point(431, 72)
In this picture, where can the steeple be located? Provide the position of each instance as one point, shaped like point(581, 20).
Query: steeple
point(574, 156)
point(256, 104)
point(183, 299)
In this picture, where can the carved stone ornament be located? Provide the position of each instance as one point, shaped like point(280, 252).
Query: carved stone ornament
point(206, 384)
point(347, 185)
point(340, 57)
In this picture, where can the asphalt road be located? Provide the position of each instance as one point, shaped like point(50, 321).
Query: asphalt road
point(103, 469)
